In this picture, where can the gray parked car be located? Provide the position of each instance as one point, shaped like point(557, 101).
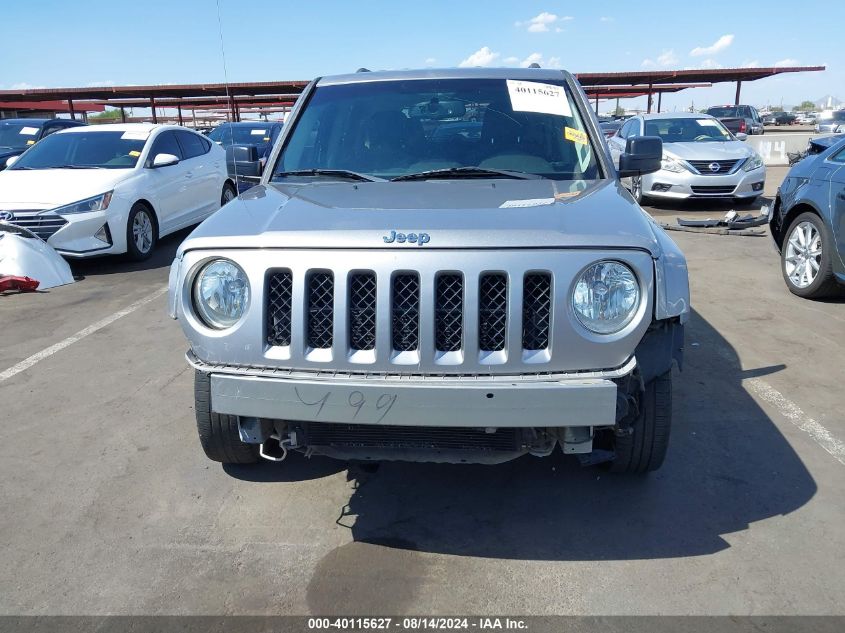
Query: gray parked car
point(385, 295)
point(701, 159)
point(808, 224)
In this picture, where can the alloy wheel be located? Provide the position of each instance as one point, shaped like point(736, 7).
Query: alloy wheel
point(142, 232)
point(803, 255)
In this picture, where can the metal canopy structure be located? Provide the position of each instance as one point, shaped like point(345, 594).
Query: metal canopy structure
point(711, 75)
point(229, 96)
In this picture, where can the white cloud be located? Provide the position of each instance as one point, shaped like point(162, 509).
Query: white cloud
point(718, 46)
point(786, 62)
point(666, 58)
point(482, 57)
point(430, 61)
point(24, 86)
point(605, 18)
point(753, 63)
point(510, 61)
point(709, 64)
point(541, 23)
point(537, 58)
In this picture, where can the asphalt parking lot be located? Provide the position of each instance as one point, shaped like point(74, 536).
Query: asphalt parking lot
point(110, 507)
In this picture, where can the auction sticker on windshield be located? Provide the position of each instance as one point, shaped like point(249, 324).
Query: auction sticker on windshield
point(135, 136)
point(29, 131)
point(532, 96)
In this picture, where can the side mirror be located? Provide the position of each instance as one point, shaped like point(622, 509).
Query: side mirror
point(11, 161)
point(741, 136)
point(643, 155)
point(164, 160)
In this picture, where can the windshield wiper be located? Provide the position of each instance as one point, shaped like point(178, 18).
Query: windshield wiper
point(468, 172)
point(338, 173)
point(74, 167)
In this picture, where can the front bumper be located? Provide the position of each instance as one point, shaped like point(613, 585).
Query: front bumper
point(741, 184)
point(573, 400)
point(76, 238)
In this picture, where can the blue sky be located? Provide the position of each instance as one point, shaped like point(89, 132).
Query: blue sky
point(151, 42)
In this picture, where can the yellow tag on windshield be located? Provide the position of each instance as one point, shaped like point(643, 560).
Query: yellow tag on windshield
point(576, 136)
point(30, 142)
point(134, 154)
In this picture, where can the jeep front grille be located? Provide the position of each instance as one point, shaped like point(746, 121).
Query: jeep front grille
point(442, 317)
point(449, 312)
point(320, 310)
point(362, 311)
point(536, 311)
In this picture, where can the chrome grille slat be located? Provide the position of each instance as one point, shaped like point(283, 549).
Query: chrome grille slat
point(492, 312)
point(405, 307)
point(362, 311)
point(725, 166)
point(536, 311)
point(449, 312)
point(44, 225)
point(320, 310)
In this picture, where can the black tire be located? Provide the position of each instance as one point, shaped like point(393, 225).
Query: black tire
point(644, 448)
point(218, 433)
point(825, 283)
point(140, 209)
point(228, 190)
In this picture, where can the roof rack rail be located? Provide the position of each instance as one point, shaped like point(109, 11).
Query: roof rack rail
point(362, 70)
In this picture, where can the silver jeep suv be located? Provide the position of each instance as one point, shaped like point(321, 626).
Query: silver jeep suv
point(437, 266)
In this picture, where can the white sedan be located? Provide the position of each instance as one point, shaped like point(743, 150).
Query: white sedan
point(111, 189)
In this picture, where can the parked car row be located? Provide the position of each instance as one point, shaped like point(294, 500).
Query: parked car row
point(114, 188)
point(834, 124)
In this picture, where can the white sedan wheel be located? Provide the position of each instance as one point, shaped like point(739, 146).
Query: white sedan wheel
point(142, 231)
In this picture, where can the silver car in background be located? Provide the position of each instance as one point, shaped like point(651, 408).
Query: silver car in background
point(701, 159)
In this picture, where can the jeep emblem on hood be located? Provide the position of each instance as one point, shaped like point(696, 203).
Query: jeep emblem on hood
point(407, 238)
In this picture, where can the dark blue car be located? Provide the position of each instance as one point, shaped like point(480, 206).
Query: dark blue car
point(18, 135)
point(808, 223)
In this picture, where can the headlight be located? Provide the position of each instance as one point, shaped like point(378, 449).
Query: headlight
point(97, 203)
point(755, 162)
point(221, 294)
point(672, 164)
point(606, 297)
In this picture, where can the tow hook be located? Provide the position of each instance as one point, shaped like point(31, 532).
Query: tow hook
point(274, 449)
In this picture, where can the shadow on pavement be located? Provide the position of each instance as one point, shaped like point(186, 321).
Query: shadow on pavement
point(113, 264)
point(728, 466)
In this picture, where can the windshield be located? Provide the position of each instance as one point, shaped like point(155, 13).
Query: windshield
point(724, 112)
point(242, 134)
point(394, 128)
point(18, 135)
point(684, 130)
point(85, 150)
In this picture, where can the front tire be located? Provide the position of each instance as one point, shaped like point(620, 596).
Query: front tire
point(642, 448)
point(229, 194)
point(141, 232)
point(805, 257)
point(219, 433)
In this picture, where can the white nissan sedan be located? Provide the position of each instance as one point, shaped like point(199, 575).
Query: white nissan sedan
point(112, 189)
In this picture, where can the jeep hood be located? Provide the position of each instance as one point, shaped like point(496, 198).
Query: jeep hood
point(454, 214)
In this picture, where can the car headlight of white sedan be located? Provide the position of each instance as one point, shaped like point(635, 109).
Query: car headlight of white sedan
point(606, 297)
point(754, 162)
point(95, 203)
point(221, 294)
